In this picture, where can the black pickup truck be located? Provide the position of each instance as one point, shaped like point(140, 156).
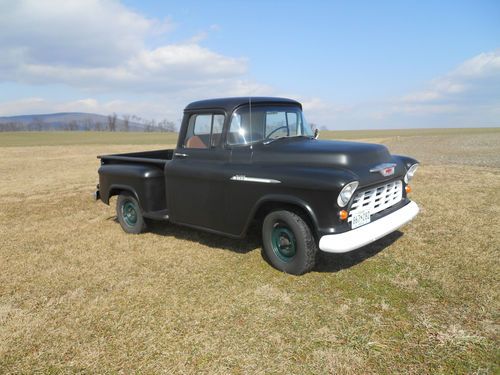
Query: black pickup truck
point(245, 160)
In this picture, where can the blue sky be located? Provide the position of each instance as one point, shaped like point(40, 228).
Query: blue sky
point(386, 64)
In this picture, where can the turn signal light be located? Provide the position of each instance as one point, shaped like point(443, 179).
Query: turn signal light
point(343, 215)
point(408, 189)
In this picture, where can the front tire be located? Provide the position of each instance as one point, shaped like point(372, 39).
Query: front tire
point(129, 214)
point(288, 243)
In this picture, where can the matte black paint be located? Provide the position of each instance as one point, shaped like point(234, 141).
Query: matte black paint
point(196, 190)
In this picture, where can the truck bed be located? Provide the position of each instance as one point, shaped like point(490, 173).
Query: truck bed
point(159, 157)
point(139, 173)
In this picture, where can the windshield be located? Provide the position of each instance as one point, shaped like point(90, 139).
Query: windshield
point(266, 123)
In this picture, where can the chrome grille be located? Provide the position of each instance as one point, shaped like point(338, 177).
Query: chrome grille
point(377, 198)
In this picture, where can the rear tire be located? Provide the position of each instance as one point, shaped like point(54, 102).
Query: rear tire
point(288, 242)
point(129, 214)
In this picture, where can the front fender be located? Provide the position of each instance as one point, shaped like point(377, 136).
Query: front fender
point(312, 189)
point(285, 200)
point(406, 160)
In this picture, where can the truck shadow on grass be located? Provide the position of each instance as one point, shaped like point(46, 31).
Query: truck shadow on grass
point(326, 262)
point(329, 262)
point(241, 246)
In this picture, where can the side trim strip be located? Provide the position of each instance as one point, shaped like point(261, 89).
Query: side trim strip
point(254, 179)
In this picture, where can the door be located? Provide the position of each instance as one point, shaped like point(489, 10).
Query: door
point(196, 178)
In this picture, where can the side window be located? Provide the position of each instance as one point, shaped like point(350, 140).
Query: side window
point(199, 132)
point(202, 124)
point(276, 124)
point(246, 127)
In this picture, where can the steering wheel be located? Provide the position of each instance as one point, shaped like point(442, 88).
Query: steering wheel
point(275, 130)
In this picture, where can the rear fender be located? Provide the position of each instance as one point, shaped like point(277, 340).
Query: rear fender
point(118, 189)
point(145, 182)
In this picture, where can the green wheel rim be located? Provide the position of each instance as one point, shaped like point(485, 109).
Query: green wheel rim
point(284, 243)
point(129, 213)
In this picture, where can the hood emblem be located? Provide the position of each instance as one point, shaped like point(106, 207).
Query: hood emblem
point(386, 169)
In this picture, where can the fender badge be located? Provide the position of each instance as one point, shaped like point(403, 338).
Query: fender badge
point(386, 169)
point(240, 177)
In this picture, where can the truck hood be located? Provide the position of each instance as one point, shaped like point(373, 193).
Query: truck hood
point(323, 153)
point(354, 157)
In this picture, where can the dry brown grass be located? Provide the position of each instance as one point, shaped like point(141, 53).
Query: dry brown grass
point(79, 295)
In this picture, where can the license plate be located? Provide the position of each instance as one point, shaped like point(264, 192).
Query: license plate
point(360, 218)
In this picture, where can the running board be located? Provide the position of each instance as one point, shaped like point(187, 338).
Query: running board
point(157, 215)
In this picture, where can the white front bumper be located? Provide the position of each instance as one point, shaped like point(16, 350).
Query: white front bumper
point(356, 238)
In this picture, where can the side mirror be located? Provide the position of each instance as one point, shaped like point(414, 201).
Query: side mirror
point(316, 133)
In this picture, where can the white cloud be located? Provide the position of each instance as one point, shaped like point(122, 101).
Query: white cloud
point(476, 76)
point(172, 67)
point(322, 112)
point(143, 108)
point(22, 106)
point(72, 33)
point(483, 65)
point(118, 60)
point(102, 49)
point(102, 46)
point(469, 95)
point(422, 96)
point(106, 49)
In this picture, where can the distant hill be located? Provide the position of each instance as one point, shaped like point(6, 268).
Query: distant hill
point(64, 121)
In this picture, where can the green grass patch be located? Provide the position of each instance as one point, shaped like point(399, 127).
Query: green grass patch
point(384, 133)
point(20, 139)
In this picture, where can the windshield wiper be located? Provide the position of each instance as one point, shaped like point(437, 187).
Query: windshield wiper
point(271, 140)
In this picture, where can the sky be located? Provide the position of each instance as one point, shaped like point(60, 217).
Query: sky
point(353, 64)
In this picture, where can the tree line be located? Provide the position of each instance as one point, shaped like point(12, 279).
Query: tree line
point(111, 123)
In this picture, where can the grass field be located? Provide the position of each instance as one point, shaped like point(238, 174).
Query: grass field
point(16, 139)
point(79, 295)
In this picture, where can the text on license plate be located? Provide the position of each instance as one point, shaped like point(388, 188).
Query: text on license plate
point(360, 218)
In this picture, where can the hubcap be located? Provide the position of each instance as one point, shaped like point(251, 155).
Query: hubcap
point(283, 242)
point(129, 214)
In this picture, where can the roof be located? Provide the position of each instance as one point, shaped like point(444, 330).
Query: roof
point(230, 104)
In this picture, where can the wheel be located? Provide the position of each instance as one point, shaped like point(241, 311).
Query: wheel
point(288, 243)
point(129, 214)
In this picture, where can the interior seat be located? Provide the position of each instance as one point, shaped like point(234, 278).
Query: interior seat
point(195, 142)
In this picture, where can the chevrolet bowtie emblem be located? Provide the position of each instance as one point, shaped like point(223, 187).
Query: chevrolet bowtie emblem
point(386, 169)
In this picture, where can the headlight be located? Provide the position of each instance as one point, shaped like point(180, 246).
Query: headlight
point(410, 173)
point(346, 193)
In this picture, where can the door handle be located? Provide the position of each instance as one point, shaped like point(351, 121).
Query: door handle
point(180, 155)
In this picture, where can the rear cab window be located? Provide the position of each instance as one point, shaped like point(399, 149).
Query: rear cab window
point(204, 130)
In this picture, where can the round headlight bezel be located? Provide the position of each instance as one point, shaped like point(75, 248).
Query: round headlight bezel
point(346, 193)
point(411, 172)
